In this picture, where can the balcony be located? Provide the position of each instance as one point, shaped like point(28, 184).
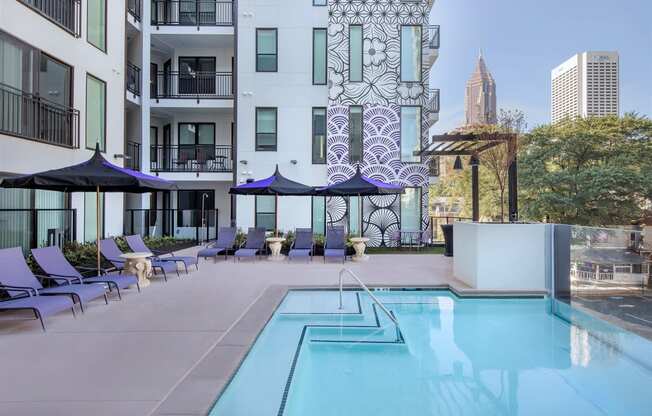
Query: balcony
point(133, 79)
point(193, 85)
point(32, 117)
point(191, 158)
point(433, 46)
point(132, 161)
point(64, 13)
point(134, 8)
point(192, 13)
point(433, 105)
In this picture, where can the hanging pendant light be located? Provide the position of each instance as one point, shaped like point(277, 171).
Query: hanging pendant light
point(474, 161)
point(458, 163)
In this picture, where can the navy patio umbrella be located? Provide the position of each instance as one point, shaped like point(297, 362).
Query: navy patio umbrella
point(360, 185)
point(95, 175)
point(276, 185)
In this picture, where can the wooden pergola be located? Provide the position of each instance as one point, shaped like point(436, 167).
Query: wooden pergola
point(473, 144)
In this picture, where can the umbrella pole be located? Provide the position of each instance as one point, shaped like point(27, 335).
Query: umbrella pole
point(97, 225)
point(276, 215)
point(360, 212)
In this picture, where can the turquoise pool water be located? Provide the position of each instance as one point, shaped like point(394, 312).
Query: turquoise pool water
point(451, 356)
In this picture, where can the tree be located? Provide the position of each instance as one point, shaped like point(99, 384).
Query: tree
point(588, 171)
point(493, 171)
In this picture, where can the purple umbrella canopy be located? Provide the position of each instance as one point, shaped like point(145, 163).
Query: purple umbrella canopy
point(359, 185)
point(88, 176)
point(276, 184)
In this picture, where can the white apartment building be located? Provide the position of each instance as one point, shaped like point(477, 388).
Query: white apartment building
point(212, 93)
point(62, 78)
point(586, 85)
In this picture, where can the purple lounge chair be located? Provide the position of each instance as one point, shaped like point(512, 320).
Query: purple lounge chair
point(224, 243)
point(42, 306)
point(335, 246)
point(111, 252)
point(254, 244)
point(54, 264)
point(15, 274)
point(303, 246)
point(136, 244)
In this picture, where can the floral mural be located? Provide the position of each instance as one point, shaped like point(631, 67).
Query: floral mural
point(381, 93)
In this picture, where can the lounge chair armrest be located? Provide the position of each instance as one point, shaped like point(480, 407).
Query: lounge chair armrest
point(74, 279)
point(103, 270)
point(56, 278)
point(29, 290)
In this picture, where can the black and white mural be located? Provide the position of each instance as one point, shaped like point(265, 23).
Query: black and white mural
point(381, 93)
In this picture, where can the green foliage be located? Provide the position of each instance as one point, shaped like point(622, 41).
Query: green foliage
point(594, 171)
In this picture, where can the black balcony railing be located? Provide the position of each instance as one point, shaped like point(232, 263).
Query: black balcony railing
point(191, 158)
point(32, 117)
point(30, 228)
point(134, 7)
point(433, 37)
point(133, 79)
point(193, 224)
point(195, 85)
point(192, 13)
point(434, 100)
point(63, 13)
point(132, 161)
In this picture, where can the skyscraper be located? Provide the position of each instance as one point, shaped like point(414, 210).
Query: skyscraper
point(586, 85)
point(480, 99)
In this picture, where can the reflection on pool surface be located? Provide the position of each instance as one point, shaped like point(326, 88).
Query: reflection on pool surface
point(451, 356)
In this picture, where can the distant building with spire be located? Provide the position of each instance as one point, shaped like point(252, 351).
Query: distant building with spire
point(480, 99)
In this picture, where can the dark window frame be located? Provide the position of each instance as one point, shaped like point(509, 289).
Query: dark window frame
point(351, 161)
point(400, 54)
point(260, 148)
point(325, 145)
point(106, 27)
point(400, 206)
point(361, 53)
point(400, 118)
point(103, 145)
point(266, 212)
point(314, 31)
point(275, 30)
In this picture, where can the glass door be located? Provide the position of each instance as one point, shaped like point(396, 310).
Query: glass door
point(197, 75)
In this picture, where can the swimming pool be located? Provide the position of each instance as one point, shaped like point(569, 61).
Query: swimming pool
point(451, 356)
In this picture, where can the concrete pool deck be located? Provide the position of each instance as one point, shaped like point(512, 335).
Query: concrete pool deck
point(170, 349)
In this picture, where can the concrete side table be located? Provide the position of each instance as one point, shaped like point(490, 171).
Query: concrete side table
point(275, 245)
point(138, 264)
point(360, 245)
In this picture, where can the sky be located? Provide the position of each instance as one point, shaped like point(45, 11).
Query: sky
point(523, 40)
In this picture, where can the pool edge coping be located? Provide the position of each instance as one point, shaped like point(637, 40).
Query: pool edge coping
point(252, 322)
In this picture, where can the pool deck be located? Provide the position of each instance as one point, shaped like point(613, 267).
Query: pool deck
point(170, 349)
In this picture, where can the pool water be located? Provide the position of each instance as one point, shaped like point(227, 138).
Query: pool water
point(451, 356)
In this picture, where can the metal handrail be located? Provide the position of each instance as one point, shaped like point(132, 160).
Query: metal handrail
point(366, 289)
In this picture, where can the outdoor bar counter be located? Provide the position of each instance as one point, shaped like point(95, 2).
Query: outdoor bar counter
point(496, 256)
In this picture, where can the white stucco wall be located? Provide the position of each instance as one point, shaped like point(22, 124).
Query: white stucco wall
point(19, 155)
point(502, 256)
point(291, 91)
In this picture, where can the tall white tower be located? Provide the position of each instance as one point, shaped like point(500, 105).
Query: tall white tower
point(586, 85)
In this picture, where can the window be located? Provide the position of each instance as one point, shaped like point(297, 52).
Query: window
point(319, 135)
point(96, 23)
point(266, 50)
point(266, 212)
point(410, 53)
point(196, 142)
point(95, 112)
point(319, 215)
point(153, 139)
point(91, 216)
point(355, 53)
point(320, 2)
point(410, 133)
point(355, 134)
point(266, 123)
point(319, 51)
point(197, 75)
point(190, 204)
point(354, 215)
point(411, 209)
